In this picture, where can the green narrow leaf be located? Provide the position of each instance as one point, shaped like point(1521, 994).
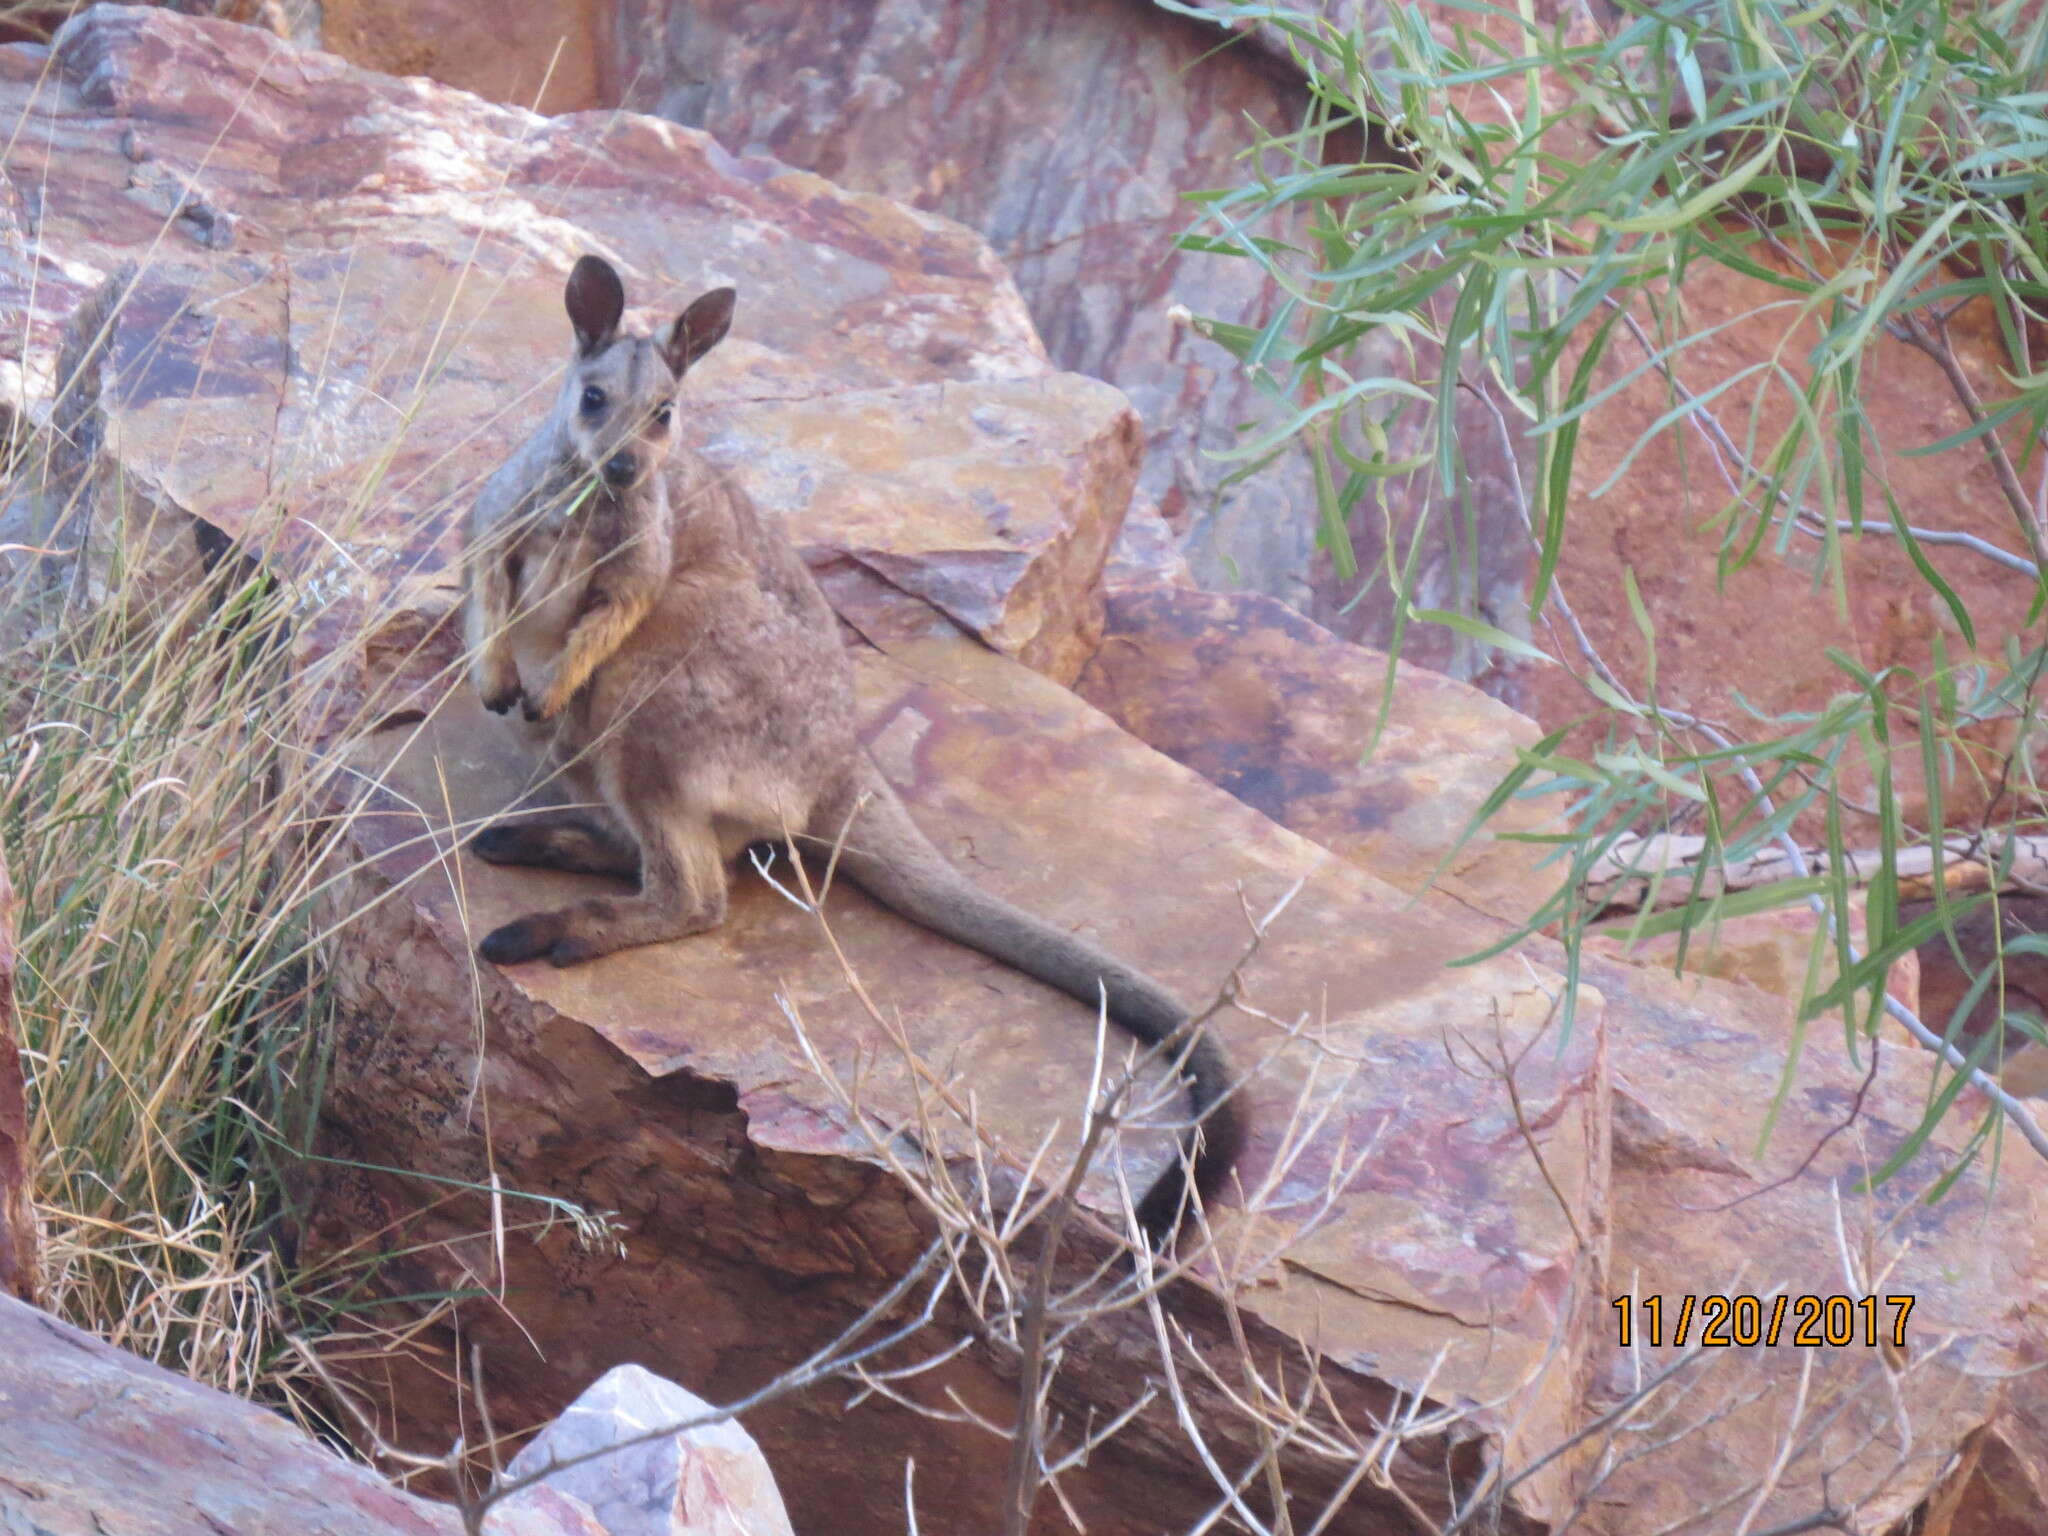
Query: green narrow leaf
point(1484, 633)
point(1561, 449)
point(1757, 898)
point(1917, 1137)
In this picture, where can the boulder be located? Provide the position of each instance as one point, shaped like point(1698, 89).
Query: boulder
point(18, 1273)
point(360, 305)
point(710, 1480)
point(1699, 1203)
point(347, 305)
point(94, 1440)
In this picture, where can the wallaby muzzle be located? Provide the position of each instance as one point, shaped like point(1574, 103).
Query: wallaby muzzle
point(621, 470)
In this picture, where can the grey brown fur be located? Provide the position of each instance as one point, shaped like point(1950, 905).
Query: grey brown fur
point(690, 673)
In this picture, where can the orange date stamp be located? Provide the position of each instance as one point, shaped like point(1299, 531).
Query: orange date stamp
point(1736, 1322)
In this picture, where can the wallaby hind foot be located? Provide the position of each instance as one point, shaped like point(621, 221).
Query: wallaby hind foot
point(572, 841)
point(682, 891)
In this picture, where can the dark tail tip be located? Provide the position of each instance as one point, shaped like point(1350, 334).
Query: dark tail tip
point(1211, 1149)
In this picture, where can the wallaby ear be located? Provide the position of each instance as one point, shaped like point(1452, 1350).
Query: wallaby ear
point(596, 299)
point(698, 329)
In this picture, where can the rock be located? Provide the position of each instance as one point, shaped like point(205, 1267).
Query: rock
point(94, 1440)
point(1018, 490)
point(1695, 1206)
point(662, 1083)
point(552, 58)
point(18, 1271)
point(1998, 1485)
point(1770, 951)
point(1146, 554)
point(1681, 1155)
point(1948, 971)
point(1283, 714)
point(706, 1481)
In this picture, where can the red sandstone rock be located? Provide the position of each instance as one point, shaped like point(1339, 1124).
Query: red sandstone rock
point(1696, 1208)
point(1069, 133)
point(663, 1083)
point(1284, 715)
point(364, 296)
point(93, 1440)
point(552, 57)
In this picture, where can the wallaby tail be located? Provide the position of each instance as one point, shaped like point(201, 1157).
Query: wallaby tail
point(886, 855)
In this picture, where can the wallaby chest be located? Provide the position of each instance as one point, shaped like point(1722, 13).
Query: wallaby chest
point(556, 569)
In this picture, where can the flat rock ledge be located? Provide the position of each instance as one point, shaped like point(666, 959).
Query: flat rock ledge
point(1951, 1430)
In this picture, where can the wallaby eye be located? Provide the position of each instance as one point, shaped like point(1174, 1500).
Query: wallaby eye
point(593, 399)
point(662, 413)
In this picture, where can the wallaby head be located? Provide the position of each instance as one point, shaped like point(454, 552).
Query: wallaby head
point(617, 407)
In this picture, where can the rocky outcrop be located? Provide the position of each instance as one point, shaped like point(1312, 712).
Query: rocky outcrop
point(1070, 134)
point(94, 1440)
point(663, 1084)
point(1699, 1204)
point(347, 302)
point(18, 1275)
point(360, 249)
point(973, 109)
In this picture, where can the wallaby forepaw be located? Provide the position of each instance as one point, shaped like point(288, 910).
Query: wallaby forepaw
point(499, 703)
point(551, 704)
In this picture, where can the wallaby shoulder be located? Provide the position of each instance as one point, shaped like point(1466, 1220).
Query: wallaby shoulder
point(538, 470)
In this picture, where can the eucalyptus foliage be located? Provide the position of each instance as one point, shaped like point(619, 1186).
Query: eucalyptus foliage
point(1530, 197)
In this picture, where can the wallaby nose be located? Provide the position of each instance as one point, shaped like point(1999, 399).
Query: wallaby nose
point(621, 469)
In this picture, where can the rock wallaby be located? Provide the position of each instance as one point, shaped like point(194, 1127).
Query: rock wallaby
point(695, 689)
